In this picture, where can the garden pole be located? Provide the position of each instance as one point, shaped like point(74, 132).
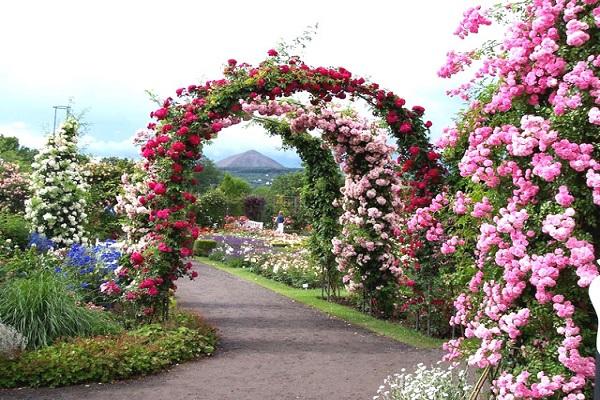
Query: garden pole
point(594, 292)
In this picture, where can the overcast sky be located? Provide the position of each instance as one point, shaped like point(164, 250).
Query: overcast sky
point(105, 54)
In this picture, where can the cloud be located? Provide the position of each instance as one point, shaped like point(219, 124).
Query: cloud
point(106, 148)
point(27, 135)
point(397, 44)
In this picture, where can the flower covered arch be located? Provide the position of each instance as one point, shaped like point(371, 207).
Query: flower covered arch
point(199, 112)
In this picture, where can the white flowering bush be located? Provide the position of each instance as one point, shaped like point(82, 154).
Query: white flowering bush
point(426, 384)
point(57, 206)
point(11, 342)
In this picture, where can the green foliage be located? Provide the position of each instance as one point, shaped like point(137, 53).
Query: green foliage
point(143, 351)
point(12, 151)
point(43, 309)
point(318, 186)
point(15, 228)
point(211, 208)
point(234, 187)
point(104, 184)
point(209, 178)
point(203, 247)
point(23, 263)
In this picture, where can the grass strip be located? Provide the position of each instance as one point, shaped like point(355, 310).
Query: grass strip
point(311, 297)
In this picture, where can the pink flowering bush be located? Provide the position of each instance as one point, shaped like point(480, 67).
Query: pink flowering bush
point(524, 157)
point(14, 188)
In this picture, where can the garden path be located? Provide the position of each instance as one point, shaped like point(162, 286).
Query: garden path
point(271, 348)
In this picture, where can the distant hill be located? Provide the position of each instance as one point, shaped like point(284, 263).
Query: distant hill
point(254, 167)
point(249, 160)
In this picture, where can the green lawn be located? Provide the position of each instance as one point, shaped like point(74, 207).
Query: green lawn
point(311, 298)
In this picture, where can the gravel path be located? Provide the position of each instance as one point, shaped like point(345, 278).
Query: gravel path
point(271, 348)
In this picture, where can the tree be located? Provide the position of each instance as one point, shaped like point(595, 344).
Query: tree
point(254, 207)
point(12, 151)
point(211, 208)
point(209, 178)
point(57, 206)
point(234, 187)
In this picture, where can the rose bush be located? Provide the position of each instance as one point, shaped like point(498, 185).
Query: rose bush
point(523, 201)
point(57, 206)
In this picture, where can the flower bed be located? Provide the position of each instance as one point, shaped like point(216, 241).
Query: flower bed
point(145, 350)
point(283, 259)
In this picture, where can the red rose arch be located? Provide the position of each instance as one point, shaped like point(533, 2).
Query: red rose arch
point(199, 112)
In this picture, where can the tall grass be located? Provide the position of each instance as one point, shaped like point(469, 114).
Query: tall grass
point(42, 308)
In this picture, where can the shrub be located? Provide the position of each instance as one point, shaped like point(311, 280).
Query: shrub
point(254, 207)
point(142, 351)
point(15, 228)
point(23, 263)
point(43, 309)
point(203, 247)
point(211, 208)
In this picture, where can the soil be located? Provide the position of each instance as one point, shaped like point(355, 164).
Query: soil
point(271, 348)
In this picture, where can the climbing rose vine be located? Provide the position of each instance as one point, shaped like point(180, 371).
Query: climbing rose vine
point(57, 206)
point(200, 112)
point(525, 155)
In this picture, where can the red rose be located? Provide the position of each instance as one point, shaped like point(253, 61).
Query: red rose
point(414, 150)
point(179, 91)
point(284, 69)
point(276, 91)
point(166, 128)
point(136, 258)
point(180, 224)
point(428, 124)
point(159, 188)
point(418, 109)
point(146, 283)
point(392, 118)
point(232, 62)
point(183, 131)
point(177, 168)
point(272, 53)
point(199, 168)
point(162, 139)
point(161, 113)
point(194, 140)
point(153, 291)
point(410, 283)
point(194, 275)
point(399, 102)
point(432, 156)
point(185, 252)
point(147, 153)
point(406, 127)
point(216, 126)
point(178, 147)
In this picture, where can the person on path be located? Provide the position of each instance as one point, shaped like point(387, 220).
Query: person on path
point(280, 220)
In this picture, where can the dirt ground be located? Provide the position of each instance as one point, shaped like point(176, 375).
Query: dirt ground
point(271, 348)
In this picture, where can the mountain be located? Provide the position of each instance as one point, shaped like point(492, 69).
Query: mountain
point(249, 160)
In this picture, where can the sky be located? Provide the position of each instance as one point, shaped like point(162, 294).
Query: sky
point(103, 56)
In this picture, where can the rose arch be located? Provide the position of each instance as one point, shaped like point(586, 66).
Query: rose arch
point(366, 252)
